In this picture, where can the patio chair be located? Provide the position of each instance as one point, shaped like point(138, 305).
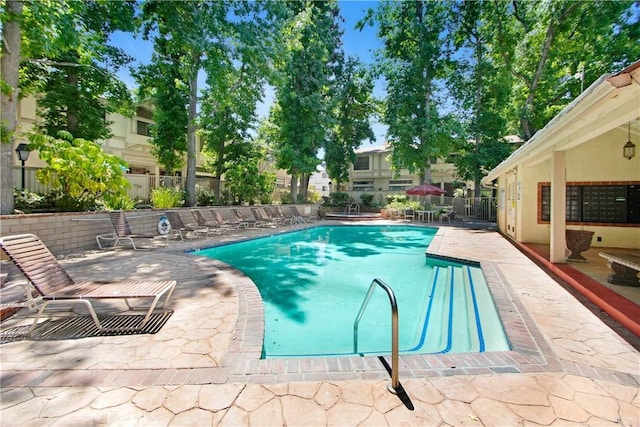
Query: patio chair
point(248, 221)
point(123, 233)
point(288, 218)
point(56, 287)
point(409, 214)
point(203, 222)
point(234, 225)
point(260, 215)
point(276, 217)
point(178, 226)
point(448, 215)
point(304, 218)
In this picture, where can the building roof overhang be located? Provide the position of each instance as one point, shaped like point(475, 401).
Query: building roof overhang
point(611, 101)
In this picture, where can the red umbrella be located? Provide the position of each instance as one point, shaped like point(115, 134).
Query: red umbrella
point(425, 190)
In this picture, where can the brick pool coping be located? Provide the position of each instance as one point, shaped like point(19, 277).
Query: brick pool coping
point(529, 351)
point(241, 363)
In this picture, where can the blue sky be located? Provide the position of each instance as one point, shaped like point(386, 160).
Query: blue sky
point(361, 44)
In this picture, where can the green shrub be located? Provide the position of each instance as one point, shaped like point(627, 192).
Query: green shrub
point(166, 197)
point(400, 198)
point(118, 202)
point(366, 199)
point(205, 197)
point(339, 199)
point(26, 201)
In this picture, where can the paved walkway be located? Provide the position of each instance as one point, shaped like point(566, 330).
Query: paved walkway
point(203, 366)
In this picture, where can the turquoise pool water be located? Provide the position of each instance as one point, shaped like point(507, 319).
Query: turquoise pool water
point(313, 283)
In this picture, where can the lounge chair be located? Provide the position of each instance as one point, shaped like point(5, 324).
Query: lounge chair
point(123, 233)
point(276, 217)
point(210, 224)
point(448, 215)
point(56, 287)
point(409, 214)
point(178, 226)
point(260, 215)
point(288, 218)
point(304, 218)
point(248, 221)
point(234, 225)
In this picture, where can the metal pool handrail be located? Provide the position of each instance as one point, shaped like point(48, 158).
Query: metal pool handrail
point(393, 387)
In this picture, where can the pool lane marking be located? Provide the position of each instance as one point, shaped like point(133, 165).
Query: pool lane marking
point(428, 314)
point(475, 310)
point(450, 323)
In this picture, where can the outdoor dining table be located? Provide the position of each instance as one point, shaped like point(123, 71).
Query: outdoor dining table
point(425, 215)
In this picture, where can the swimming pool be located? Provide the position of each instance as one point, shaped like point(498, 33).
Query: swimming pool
point(313, 283)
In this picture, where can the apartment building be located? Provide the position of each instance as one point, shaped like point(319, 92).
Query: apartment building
point(372, 173)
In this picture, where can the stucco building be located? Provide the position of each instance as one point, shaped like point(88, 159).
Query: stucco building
point(578, 172)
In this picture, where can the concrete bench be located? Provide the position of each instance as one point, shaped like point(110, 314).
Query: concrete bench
point(624, 268)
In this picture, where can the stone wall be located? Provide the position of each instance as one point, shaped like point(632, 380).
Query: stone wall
point(65, 233)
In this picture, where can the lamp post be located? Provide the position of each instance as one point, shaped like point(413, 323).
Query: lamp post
point(23, 155)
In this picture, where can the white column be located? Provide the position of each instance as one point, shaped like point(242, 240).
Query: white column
point(558, 241)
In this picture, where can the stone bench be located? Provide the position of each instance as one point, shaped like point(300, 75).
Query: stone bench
point(624, 268)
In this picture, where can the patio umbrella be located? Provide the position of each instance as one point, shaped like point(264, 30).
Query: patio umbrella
point(425, 190)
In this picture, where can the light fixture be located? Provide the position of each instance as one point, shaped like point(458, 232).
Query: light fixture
point(23, 152)
point(629, 149)
point(23, 155)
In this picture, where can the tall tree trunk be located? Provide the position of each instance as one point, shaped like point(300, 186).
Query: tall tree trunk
point(304, 185)
point(294, 188)
point(478, 101)
point(72, 117)
point(191, 137)
point(9, 67)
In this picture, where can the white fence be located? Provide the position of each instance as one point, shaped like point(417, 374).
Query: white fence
point(478, 208)
point(140, 188)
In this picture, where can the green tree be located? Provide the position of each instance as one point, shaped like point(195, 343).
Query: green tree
point(76, 83)
point(212, 37)
point(303, 110)
point(160, 83)
point(79, 168)
point(413, 57)
point(245, 181)
point(353, 107)
point(542, 44)
point(481, 90)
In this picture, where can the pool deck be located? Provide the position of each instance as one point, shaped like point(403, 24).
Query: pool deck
point(202, 366)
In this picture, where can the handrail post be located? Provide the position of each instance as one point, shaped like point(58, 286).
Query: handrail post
point(395, 383)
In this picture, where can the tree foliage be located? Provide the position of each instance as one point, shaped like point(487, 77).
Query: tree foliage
point(246, 182)
point(413, 57)
point(74, 75)
point(78, 167)
point(481, 89)
point(159, 82)
point(353, 107)
point(542, 44)
point(216, 38)
point(303, 114)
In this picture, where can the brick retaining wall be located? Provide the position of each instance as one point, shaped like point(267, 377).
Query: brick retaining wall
point(65, 233)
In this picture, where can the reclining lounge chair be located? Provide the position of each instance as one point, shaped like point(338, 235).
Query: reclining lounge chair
point(56, 287)
point(178, 226)
point(123, 233)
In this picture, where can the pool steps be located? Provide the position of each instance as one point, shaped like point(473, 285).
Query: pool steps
point(463, 290)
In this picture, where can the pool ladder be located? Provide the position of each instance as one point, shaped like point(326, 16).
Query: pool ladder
point(395, 384)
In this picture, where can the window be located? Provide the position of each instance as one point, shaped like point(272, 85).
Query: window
point(616, 204)
point(362, 185)
point(362, 163)
point(144, 113)
point(143, 128)
point(400, 184)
